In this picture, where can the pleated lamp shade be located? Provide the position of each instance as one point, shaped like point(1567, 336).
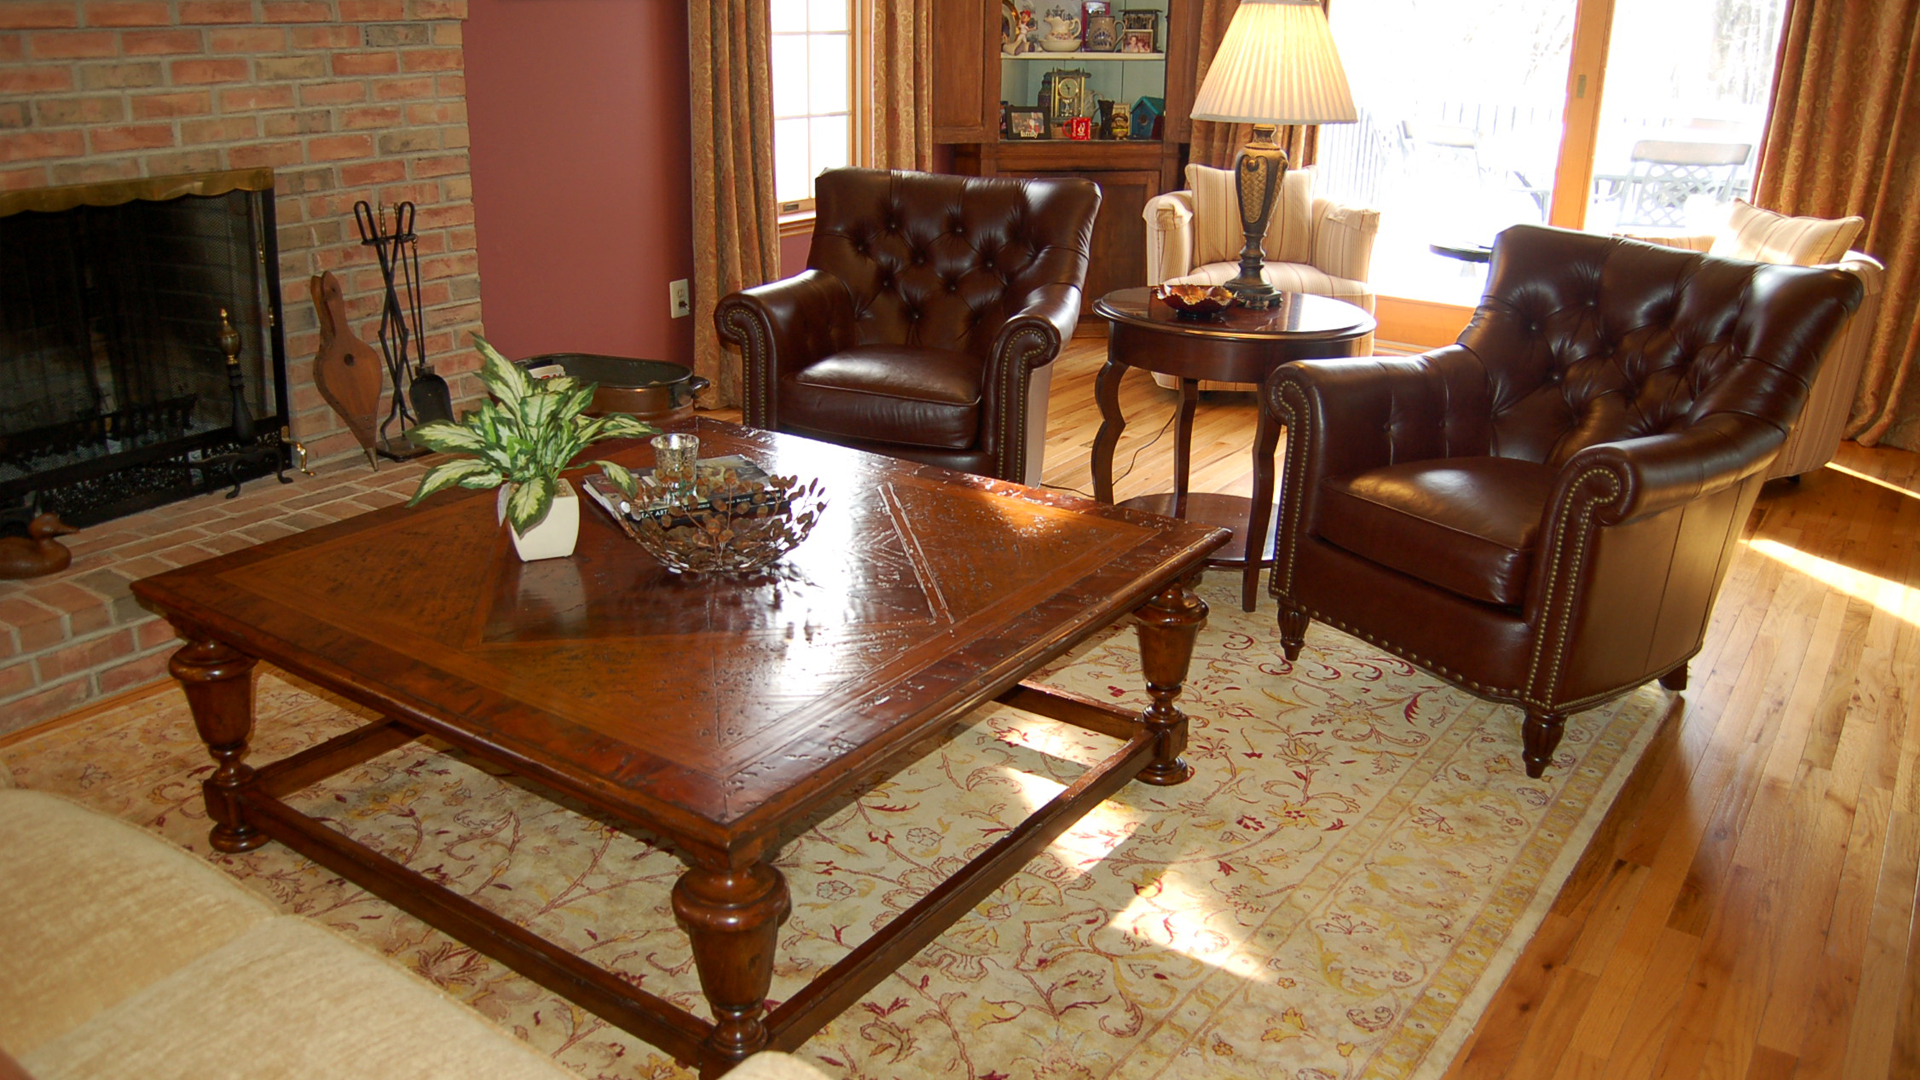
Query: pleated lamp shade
point(1277, 65)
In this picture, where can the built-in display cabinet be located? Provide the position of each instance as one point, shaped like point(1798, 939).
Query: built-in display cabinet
point(997, 105)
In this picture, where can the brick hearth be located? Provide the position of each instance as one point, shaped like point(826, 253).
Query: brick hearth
point(69, 638)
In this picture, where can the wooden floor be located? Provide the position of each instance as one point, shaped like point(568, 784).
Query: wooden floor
point(1748, 909)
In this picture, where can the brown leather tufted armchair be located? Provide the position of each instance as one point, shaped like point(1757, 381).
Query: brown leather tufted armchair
point(1543, 512)
point(926, 321)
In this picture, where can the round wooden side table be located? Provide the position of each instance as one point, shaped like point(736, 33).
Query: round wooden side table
point(1239, 345)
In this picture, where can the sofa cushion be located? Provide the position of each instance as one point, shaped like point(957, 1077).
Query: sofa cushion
point(1217, 236)
point(1763, 236)
point(288, 1000)
point(93, 910)
point(906, 394)
point(1469, 525)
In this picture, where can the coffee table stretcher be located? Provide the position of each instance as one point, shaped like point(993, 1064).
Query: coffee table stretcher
point(731, 912)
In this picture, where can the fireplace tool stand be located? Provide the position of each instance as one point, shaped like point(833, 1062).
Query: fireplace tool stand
point(430, 400)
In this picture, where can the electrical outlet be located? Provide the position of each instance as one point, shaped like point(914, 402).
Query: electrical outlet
point(679, 301)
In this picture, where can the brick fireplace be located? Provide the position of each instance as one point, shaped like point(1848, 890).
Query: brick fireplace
point(345, 100)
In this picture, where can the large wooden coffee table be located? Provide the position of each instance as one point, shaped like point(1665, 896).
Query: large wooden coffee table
point(715, 714)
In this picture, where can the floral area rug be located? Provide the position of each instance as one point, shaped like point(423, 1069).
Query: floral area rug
point(1336, 893)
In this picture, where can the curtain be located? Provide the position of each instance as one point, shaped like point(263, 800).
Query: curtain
point(1844, 138)
point(736, 232)
point(901, 106)
point(1219, 144)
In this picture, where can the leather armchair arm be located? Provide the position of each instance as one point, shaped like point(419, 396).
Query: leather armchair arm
point(1030, 339)
point(1654, 473)
point(1031, 336)
point(1434, 405)
point(780, 327)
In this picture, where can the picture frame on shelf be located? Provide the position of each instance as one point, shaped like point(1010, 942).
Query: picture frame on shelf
point(1141, 19)
point(1026, 123)
point(1136, 41)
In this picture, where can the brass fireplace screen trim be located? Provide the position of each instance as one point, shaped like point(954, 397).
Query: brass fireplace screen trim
point(52, 200)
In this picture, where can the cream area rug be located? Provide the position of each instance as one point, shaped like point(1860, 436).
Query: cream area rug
point(1335, 894)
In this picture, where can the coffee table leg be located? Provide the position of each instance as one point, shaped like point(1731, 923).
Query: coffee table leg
point(1106, 394)
point(733, 917)
point(1168, 625)
point(217, 679)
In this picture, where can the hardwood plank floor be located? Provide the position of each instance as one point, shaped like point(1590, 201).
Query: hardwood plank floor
point(1748, 909)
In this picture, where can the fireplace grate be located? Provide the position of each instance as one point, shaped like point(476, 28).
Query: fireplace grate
point(114, 389)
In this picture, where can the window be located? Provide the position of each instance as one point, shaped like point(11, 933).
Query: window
point(812, 95)
point(1631, 115)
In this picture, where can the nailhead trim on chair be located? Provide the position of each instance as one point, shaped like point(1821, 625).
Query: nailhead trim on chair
point(1561, 620)
point(752, 337)
point(1010, 447)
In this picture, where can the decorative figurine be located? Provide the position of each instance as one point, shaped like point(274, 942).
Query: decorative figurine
point(37, 552)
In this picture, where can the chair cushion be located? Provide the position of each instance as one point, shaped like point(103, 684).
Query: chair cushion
point(1468, 525)
point(1763, 236)
point(1217, 236)
point(906, 394)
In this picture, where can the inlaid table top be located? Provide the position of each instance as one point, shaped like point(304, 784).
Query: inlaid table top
point(710, 710)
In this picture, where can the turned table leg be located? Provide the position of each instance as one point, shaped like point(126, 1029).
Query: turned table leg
point(1168, 625)
point(733, 916)
point(219, 686)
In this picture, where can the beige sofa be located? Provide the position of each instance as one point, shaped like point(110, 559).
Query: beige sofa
point(125, 956)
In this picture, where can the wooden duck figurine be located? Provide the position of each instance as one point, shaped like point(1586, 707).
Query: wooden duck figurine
point(37, 552)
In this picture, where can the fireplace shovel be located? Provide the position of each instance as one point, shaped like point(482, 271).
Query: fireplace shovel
point(432, 399)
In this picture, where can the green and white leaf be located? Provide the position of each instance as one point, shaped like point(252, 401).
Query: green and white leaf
point(620, 477)
point(453, 473)
point(529, 503)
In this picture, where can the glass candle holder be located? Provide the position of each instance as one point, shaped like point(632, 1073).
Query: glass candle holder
point(674, 457)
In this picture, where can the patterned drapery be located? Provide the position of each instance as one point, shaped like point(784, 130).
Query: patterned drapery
point(902, 114)
point(1844, 138)
point(1219, 145)
point(736, 233)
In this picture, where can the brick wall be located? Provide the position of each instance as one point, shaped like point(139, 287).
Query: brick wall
point(344, 99)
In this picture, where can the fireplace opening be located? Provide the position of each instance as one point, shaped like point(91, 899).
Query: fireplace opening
point(116, 390)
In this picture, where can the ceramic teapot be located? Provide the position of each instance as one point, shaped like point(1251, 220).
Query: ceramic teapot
point(1063, 32)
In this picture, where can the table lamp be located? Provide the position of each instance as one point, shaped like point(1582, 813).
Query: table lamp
point(1276, 65)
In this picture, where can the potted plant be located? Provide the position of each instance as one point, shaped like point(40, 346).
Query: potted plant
point(519, 442)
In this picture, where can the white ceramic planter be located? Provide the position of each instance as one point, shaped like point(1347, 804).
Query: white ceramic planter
point(556, 534)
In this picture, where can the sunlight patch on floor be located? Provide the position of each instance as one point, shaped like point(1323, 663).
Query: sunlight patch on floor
point(1874, 480)
point(1900, 601)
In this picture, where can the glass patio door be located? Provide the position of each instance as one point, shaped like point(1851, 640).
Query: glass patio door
point(1460, 127)
point(1614, 115)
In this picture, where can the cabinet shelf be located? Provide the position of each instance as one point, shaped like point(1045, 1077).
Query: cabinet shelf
point(1110, 56)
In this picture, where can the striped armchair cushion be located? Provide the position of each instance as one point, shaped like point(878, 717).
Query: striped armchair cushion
point(1764, 236)
point(1217, 236)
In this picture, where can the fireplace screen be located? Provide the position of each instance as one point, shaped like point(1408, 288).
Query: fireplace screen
point(116, 392)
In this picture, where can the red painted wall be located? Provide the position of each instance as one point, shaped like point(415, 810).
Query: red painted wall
point(581, 190)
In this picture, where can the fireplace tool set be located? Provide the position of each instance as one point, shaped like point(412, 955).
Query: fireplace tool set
point(419, 395)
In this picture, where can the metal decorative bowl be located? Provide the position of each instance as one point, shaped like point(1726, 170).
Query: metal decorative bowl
point(1194, 301)
point(729, 525)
